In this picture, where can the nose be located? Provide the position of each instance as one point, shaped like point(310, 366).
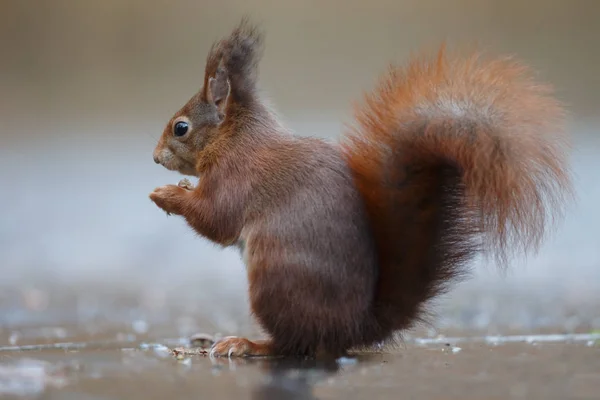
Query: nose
point(156, 160)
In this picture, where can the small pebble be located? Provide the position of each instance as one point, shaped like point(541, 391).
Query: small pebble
point(140, 326)
point(162, 351)
point(346, 361)
point(202, 340)
point(456, 350)
point(128, 349)
point(148, 346)
point(186, 361)
point(13, 339)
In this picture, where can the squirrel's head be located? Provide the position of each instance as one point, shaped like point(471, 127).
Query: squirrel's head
point(229, 86)
point(193, 127)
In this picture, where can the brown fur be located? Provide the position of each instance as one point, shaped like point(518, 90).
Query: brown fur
point(344, 245)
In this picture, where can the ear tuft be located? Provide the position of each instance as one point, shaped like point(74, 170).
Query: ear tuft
point(236, 57)
point(242, 52)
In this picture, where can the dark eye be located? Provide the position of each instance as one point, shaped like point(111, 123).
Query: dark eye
point(180, 128)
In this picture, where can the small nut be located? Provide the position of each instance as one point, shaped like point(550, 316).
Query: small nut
point(186, 184)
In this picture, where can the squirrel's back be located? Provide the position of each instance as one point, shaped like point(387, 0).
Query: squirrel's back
point(454, 156)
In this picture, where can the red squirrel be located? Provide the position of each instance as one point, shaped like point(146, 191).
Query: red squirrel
point(345, 243)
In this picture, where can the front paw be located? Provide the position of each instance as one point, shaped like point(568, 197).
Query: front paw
point(169, 198)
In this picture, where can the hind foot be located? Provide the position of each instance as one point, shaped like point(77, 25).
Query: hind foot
point(232, 346)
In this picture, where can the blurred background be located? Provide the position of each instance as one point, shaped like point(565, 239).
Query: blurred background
point(86, 88)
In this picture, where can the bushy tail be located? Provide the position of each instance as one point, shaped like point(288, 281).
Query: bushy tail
point(454, 156)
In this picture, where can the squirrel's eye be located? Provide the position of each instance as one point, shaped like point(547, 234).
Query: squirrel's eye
point(180, 128)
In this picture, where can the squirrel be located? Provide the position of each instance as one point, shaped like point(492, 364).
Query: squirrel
point(345, 243)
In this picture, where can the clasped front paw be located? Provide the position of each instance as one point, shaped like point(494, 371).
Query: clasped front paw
point(169, 198)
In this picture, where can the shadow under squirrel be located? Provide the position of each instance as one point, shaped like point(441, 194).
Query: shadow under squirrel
point(345, 243)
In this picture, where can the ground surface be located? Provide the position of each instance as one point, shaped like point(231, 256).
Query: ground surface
point(92, 345)
point(435, 371)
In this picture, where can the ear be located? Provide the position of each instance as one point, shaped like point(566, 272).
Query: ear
point(219, 89)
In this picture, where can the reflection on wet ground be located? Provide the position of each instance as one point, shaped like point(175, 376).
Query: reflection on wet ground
point(61, 345)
